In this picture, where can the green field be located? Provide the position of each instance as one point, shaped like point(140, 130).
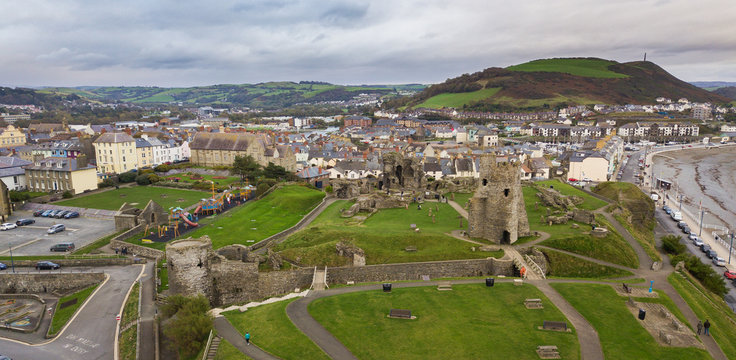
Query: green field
point(272, 331)
point(457, 100)
point(226, 351)
point(469, 322)
point(193, 177)
point(596, 68)
point(564, 265)
point(384, 236)
point(708, 306)
point(591, 202)
point(461, 198)
point(137, 196)
point(621, 336)
point(62, 316)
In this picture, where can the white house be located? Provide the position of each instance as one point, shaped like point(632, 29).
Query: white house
point(12, 172)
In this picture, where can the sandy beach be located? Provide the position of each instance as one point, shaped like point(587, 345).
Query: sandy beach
point(707, 175)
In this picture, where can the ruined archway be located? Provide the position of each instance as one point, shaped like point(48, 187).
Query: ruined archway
point(506, 237)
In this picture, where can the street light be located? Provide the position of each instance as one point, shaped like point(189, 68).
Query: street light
point(702, 212)
point(12, 265)
point(730, 248)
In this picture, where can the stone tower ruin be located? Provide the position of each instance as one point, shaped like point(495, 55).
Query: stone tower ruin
point(497, 210)
point(400, 173)
point(188, 263)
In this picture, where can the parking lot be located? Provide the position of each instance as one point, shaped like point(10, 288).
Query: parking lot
point(33, 239)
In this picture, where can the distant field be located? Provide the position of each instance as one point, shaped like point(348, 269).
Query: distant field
point(457, 100)
point(137, 196)
point(580, 67)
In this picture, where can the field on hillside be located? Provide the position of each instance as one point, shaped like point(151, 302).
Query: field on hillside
point(469, 322)
point(596, 68)
point(457, 100)
point(384, 236)
point(564, 265)
point(621, 335)
point(137, 196)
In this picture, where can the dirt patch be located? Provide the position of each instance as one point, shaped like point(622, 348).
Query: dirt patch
point(635, 292)
point(664, 326)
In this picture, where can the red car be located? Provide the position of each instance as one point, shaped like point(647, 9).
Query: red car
point(730, 274)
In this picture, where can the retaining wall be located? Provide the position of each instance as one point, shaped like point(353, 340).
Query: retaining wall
point(138, 250)
point(47, 281)
point(81, 262)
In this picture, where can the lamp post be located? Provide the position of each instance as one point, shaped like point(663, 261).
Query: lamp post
point(730, 248)
point(681, 202)
point(700, 230)
point(12, 265)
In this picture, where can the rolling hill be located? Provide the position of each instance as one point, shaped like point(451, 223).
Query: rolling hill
point(547, 83)
point(728, 92)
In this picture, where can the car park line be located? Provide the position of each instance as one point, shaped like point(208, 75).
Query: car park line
point(20, 246)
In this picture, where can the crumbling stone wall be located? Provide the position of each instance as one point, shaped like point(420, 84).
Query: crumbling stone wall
point(400, 173)
point(497, 211)
point(50, 282)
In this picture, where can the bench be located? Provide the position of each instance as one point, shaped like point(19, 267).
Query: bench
point(444, 286)
point(518, 282)
point(400, 314)
point(548, 352)
point(555, 325)
point(627, 289)
point(533, 304)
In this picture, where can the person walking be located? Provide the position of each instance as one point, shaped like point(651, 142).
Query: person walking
point(700, 326)
point(247, 338)
point(706, 327)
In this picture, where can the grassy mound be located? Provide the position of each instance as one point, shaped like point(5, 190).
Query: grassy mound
point(469, 322)
point(591, 202)
point(595, 68)
point(621, 336)
point(272, 331)
point(564, 265)
point(457, 100)
point(384, 236)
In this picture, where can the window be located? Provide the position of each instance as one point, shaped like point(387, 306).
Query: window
point(506, 192)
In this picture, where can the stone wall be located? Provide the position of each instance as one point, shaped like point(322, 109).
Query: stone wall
point(138, 250)
point(80, 262)
point(51, 282)
point(236, 282)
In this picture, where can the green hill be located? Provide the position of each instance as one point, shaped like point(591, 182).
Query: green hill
point(548, 83)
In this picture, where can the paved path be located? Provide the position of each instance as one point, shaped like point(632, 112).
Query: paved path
point(645, 262)
point(229, 333)
point(458, 208)
point(148, 311)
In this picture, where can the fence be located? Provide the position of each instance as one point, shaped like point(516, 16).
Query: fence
point(724, 242)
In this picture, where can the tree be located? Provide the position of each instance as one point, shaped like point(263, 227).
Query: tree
point(246, 167)
point(190, 324)
point(273, 171)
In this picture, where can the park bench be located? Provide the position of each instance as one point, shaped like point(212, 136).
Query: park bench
point(555, 325)
point(548, 352)
point(627, 289)
point(444, 286)
point(400, 314)
point(533, 304)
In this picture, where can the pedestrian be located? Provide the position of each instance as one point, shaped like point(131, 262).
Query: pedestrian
point(700, 326)
point(706, 327)
point(247, 338)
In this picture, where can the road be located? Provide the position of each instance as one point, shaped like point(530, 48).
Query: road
point(91, 335)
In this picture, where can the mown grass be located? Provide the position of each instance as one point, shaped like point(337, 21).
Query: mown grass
point(127, 344)
point(596, 68)
point(469, 322)
point(457, 100)
point(97, 244)
point(384, 236)
point(591, 202)
point(461, 198)
point(226, 351)
point(272, 331)
point(535, 213)
point(564, 265)
point(137, 196)
point(612, 248)
point(62, 316)
point(194, 177)
point(621, 336)
point(708, 306)
point(130, 310)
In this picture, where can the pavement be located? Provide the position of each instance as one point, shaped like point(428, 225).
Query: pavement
point(89, 335)
point(229, 333)
point(147, 312)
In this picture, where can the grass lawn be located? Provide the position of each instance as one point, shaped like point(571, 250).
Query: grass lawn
point(621, 336)
point(272, 331)
point(708, 306)
point(383, 236)
point(457, 100)
point(137, 196)
point(62, 316)
point(193, 177)
point(97, 244)
point(257, 220)
point(591, 202)
point(563, 265)
point(597, 68)
point(461, 198)
point(612, 248)
point(226, 351)
point(127, 344)
point(469, 322)
point(130, 310)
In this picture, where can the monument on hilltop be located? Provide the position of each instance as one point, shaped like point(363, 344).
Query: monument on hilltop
point(496, 211)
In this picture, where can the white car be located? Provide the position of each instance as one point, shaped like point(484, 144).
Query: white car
point(8, 226)
point(692, 237)
point(697, 242)
point(719, 261)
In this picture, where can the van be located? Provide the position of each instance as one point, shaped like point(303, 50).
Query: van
point(63, 247)
point(655, 196)
point(676, 215)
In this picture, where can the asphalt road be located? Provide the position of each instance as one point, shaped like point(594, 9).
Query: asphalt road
point(33, 239)
point(91, 334)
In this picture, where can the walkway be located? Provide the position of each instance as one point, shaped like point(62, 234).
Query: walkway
point(229, 333)
point(458, 208)
point(147, 348)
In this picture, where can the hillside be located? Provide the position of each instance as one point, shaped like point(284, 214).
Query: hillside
point(543, 84)
point(727, 92)
point(269, 95)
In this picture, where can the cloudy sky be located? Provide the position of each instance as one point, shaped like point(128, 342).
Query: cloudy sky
point(188, 43)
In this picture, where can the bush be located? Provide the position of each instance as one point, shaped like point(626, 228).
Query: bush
point(672, 245)
point(145, 171)
point(142, 179)
point(712, 280)
point(17, 196)
point(109, 182)
point(162, 168)
point(67, 195)
point(262, 188)
point(153, 178)
point(127, 177)
point(328, 189)
point(190, 325)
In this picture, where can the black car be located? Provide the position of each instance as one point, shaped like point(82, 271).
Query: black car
point(686, 229)
point(38, 212)
point(47, 265)
point(22, 222)
point(705, 248)
point(71, 214)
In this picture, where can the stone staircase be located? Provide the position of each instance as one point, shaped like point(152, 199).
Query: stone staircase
point(213, 348)
point(319, 281)
point(519, 262)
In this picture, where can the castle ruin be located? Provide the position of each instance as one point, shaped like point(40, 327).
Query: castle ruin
point(400, 173)
point(497, 210)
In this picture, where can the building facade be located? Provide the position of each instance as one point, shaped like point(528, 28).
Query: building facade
point(115, 153)
point(61, 174)
point(12, 136)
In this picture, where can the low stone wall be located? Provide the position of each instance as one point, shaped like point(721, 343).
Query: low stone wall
point(81, 262)
point(137, 249)
point(47, 282)
point(236, 282)
point(414, 271)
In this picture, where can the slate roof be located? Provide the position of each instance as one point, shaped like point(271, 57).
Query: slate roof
point(115, 137)
point(222, 141)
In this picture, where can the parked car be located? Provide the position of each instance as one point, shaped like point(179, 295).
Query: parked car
point(681, 224)
point(61, 214)
point(698, 242)
point(22, 222)
point(711, 254)
point(71, 214)
point(676, 215)
point(38, 212)
point(3, 357)
point(705, 248)
point(53, 213)
point(667, 210)
point(8, 226)
point(47, 265)
point(730, 274)
point(46, 213)
point(686, 229)
point(3, 266)
point(56, 228)
point(692, 237)
point(63, 247)
point(719, 261)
